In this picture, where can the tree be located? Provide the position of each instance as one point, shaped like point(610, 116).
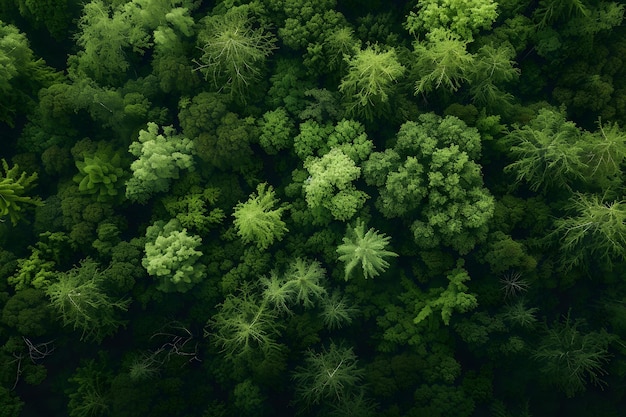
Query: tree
point(81, 301)
point(329, 376)
point(367, 249)
point(257, 220)
point(104, 37)
point(330, 185)
point(161, 156)
point(233, 51)
point(462, 17)
point(368, 86)
point(276, 131)
point(99, 176)
point(547, 151)
point(244, 325)
point(453, 298)
point(21, 75)
point(305, 280)
point(442, 61)
point(172, 256)
point(192, 209)
point(596, 231)
point(572, 358)
point(90, 396)
point(430, 179)
point(337, 311)
point(13, 186)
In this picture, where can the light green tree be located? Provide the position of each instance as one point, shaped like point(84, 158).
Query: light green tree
point(257, 221)
point(595, 231)
point(305, 279)
point(244, 325)
point(330, 186)
point(365, 249)
point(441, 62)
point(234, 50)
point(81, 301)
point(13, 187)
point(369, 84)
point(171, 256)
point(161, 157)
point(462, 17)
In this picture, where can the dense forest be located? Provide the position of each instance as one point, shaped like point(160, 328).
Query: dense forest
point(312, 208)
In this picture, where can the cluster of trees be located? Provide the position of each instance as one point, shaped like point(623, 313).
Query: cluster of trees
point(312, 207)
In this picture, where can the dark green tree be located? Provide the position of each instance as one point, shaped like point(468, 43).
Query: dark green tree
point(80, 299)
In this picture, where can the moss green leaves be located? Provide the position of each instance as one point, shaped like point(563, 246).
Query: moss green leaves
point(98, 176)
point(172, 256)
point(161, 157)
point(13, 187)
point(364, 249)
point(257, 221)
point(80, 299)
point(370, 81)
point(442, 61)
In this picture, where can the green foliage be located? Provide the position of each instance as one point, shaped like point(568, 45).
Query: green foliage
point(13, 187)
point(596, 231)
point(21, 75)
point(453, 298)
point(330, 184)
point(80, 300)
point(89, 397)
point(27, 311)
point(337, 311)
point(257, 221)
point(368, 86)
point(462, 17)
point(160, 159)
point(519, 314)
point(429, 178)
point(547, 152)
point(192, 209)
point(276, 131)
point(441, 62)
point(98, 176)
point(367, 249)
point(305, 280)
point(330, 376)
point(37, 270)
point(172, 256)
point(571, 358)
point(244, 325)
point(233, 51)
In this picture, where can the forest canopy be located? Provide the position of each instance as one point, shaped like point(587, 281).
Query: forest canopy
point(312, 208)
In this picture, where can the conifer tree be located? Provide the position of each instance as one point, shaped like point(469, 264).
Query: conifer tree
point(366, 249)
point(257, 221)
